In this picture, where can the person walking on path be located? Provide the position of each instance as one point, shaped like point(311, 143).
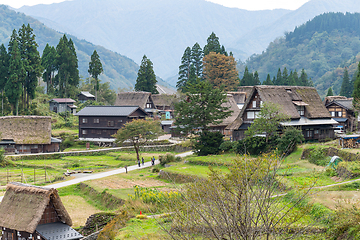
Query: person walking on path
point(139, 162)
point(126, 169)
point(142, 161)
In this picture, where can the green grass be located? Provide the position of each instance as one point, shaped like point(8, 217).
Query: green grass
point(191, 169)
point(141, 229)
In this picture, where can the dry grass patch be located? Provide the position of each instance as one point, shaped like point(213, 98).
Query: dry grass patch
point(121, 183)
point(78, 209)
point(332, 198)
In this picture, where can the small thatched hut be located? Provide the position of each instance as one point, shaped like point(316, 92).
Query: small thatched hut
point(27, 134)
point(31, 212)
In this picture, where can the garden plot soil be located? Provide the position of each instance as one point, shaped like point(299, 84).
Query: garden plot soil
point(126, 183)
point(333, 198)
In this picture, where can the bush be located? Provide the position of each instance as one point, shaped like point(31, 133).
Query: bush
point(317, 156)
point(228, 146)
point(167, 158)
point(208, 143)
point(255, 145)
point(289, 140)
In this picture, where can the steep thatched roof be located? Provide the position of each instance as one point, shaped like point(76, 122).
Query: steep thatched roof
point(231, 103)
point(164, 99)
point(329, 99)
point(286, 97)
point(239, 97)
point(133, 99)
point(26, 129)
point(23, 206)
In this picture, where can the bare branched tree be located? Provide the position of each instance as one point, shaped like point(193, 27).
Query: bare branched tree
point(249, 201)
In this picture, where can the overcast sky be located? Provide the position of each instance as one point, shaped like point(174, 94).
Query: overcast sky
point(243, 4)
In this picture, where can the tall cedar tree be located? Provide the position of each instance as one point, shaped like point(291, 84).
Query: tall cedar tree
point(95, 69)
point(203, 106)
point(256, 78)
point(248, 78)
point(196, 59)
point(4, 73)
point(268, 81)
point(48, 62)
point(330, 92)
point(346, 88)
point(279, 81)
point(356, 92)
point(67, 66)
point(213, 45)
point(184, 71)
point(146, 80)
point(32, 63)
point(221, 70)
point(17, 73)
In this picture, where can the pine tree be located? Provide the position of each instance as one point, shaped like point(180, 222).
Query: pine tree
point(17, 73)
point(31, 61)
point(356, 93)
point(146, 80)
point(330, 92)
point(196, 59)
point(256, 79)
point(4, 73)
point(278, 81)
point(248, 78)
point(95, 69)
point(268, 81)
point(67, 66)
point(291, 80)
point(213, 44)
point(296, 78)
point(346, 89)
point(285, 77)
point(48, 62)
point(184, 70)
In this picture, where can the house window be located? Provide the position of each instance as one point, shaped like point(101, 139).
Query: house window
point(84, 120)
point(148, 105)
point(120, 120)
point(96, 120)
point(301, 110)
point(309, 133)
point(256, 114)
point(261, 103)
point(110, 123)
point(250, 115)
point(339, 114)
point(84, 132)
point(254, 104)
point(98, 131)
point(316, 132)
point(333, 114)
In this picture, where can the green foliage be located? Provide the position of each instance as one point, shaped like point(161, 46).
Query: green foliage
point(95, 69)
point(345, 223)
point(213, 45)
point(146, 80)
point(168, 158)
point(290, 138)
point(346, 88)
point(208, 143)
point(228, 146)
point(267, 122)
point(202, 106)
point(317, 156)
point(356, 93)
point(330, 92)
point(255, 145)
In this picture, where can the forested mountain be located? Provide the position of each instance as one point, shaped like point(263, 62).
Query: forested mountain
point(162, 29)
point(119, 70)
point(324, 47)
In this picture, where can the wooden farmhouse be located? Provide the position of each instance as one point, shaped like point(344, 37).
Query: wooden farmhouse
point(164, 104)
point(85, 96)
point(302, 104)
point(341, 110)
point(31, 212)
point(99, 123)
point(27, 134)
point(59, 105)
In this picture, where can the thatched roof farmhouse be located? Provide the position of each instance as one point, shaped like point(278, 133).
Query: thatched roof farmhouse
point(31, 212)
point(27, 134)
point(302, 104)
point(141, 99)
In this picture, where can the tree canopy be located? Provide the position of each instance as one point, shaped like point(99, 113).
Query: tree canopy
point(95, 69)
point(146, 80)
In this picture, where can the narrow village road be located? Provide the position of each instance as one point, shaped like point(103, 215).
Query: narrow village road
point(91, 176)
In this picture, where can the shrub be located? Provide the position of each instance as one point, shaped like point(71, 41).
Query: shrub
point(228, 146)
point(167, 158)
point(208, 143)
point(289, 140)
point(255, 145)
point(317, 156)
point(186, 144)
point(148, 195)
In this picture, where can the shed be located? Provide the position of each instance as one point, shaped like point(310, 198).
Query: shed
point(85, 96)
point(59, 105)
point(32, 212)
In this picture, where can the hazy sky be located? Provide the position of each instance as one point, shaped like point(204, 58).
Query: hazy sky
point(243, 4)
